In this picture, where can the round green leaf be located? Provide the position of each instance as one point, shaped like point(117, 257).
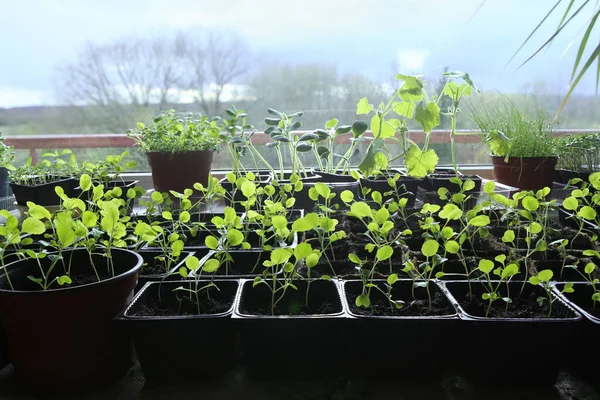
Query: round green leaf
point(384, 253)
point(360, 209)
point(211, 266)
point(452, 246)
point(312, 260)
point(211, 242)
point(480, 220)
point(429, 248)
point(570, 203)
point(302, 250)
point(192, 263)
point(235, 237)
point(280, 256)
point(354, 258)
point(587, 212)
point(33, 226)
point(589, 268)
point(362, 301)
point(545, 275)
point(530, 203)
point(508, 236)
point(486, 266)
point(347, 196)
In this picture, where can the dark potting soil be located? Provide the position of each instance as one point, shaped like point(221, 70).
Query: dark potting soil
point(182, 305)
point(522, 306)
point(577, 241)
point(154, 267)
point(412, 308)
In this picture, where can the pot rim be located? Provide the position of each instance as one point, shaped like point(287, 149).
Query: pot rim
point(225, 314)
point(526, 158)
point(128, 272)
point(465, 316)
point(446, 317)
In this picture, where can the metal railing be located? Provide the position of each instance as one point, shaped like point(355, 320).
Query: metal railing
point(88, 141)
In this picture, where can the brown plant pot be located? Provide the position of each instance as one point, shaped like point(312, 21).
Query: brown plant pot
point(179, 171)
point(526, 173)
point(64, 340)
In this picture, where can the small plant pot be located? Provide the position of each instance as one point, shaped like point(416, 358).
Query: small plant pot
point(337, 184)
point(4, 186)
point(525, 329)
point(406, 185)
point(81, 348)
point(179, 171)
point(421, 337)
point(300, 346)
point(563, 176)
point(42, 194)
point(173, 341)
point(525, 173)
point(587, 333)
point(153, 271)
point(569, 219)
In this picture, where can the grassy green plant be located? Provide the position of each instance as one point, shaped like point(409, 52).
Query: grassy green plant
point(580, 153)
point(171, 133)
point(510, 132)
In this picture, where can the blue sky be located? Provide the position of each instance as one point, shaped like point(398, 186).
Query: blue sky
point(367, 36)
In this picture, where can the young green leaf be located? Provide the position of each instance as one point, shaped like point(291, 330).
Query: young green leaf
point(211, 266)
point(589, 268)
point(211, 242)
point(354, 258)
point(384, 253)
point(510, 270)
point(391, 279)
point(234, 237)
point(568, 288)
point(302, 250)
point(360, 209)
point(486, 266)
point(192, 263)
point(362, 301)
point(33, 226)
point(280, 255)
point(530, 203)
point(429, 248)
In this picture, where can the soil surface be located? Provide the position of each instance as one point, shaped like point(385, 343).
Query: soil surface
point(412, 307)
point(522, 306)
point(182, 305)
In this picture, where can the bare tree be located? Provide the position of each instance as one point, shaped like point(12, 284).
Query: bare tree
point(215, 61)
point(129, 79)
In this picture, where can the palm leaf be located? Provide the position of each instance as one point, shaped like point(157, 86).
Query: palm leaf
point(583, 44)
point(533, 32)
point(555, 33)
point(590, 61)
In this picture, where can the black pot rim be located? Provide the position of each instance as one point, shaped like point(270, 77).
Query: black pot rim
point(182, 152)
point(130, 271)
point(225, 314)
point(449, 317)
point(239, 315)
point(463, 315)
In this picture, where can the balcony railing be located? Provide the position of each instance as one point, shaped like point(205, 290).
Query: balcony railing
point(33, 143)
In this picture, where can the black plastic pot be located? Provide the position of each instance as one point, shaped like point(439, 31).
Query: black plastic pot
point(290, 347)
point(182, 347)
point(64, 340)
point(149, 257)
point(43, 194)
point(337, 184)
point(4, 186)
point(244, 264)
point(500, 343)
point(406, 185)
point(586, 336)
point(4, 359)
point(568, 218)
point(420, 350)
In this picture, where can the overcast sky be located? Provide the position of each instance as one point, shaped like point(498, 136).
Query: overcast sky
point(365, 36)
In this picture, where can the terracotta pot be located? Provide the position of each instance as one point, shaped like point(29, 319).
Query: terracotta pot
point(526, 173)
point(179, 171)
point(64, 340)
